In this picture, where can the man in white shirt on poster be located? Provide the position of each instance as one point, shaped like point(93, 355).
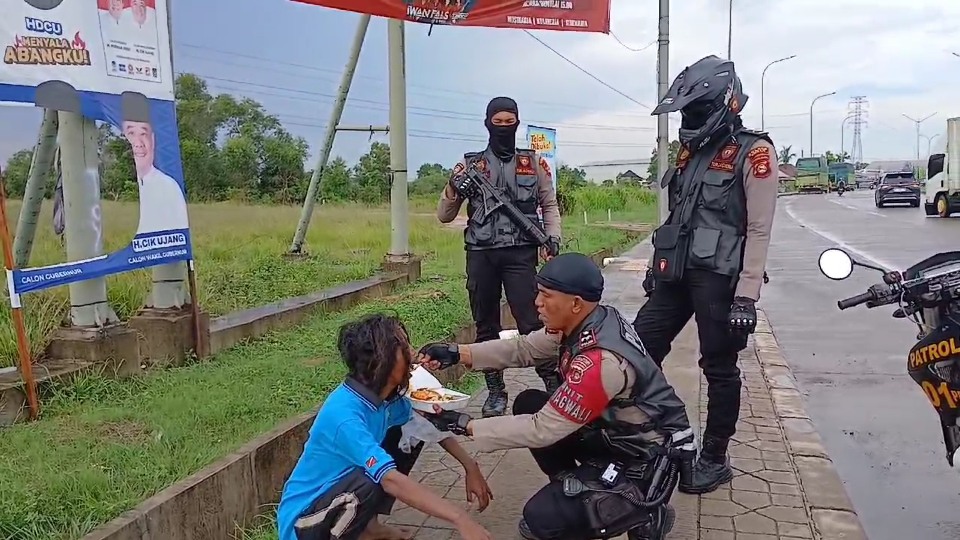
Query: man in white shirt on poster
point(163, 205)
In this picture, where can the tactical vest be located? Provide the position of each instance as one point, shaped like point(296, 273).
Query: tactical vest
point(718, 222)
point(606, 329)
point(518, 181)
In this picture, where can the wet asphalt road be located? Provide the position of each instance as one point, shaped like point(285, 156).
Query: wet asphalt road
point(876, 423)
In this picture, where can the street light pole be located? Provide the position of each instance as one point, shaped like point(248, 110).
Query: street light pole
point(730, 31)
point(762, 76)
point(929, 139)
point(918, 122)
point(842, 124)
point(811, 118)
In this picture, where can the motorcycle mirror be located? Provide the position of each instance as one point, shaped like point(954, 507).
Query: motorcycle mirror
point(836, 264)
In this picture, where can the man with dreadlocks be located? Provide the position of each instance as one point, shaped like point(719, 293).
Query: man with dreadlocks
point(351, 468)
point(603, 435)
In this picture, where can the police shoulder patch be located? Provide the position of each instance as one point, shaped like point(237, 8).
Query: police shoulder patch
point(588, 339)
point(760, 164)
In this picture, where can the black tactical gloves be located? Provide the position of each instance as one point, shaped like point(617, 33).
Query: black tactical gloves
point(648, 282)
point(444, 354)
point(451, 421)
point(552, 246)
point(462, 183)
point(743, 316)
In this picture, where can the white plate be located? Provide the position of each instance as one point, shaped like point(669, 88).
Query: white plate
point(420, 379)
point(457, 404)
point(509, 334)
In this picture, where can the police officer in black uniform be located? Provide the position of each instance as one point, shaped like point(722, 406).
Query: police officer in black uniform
point(709, 255)
point(499, 253)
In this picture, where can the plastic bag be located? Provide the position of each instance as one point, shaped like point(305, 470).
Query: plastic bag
point(419, 429)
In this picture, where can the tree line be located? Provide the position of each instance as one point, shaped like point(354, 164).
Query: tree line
point(233, 149)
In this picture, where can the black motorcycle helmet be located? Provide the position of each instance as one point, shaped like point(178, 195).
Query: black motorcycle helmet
point(709, 96)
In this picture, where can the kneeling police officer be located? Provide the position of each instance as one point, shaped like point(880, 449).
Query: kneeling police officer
point(612, 439)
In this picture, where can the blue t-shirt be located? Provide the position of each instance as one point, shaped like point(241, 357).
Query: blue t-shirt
point(346, 434)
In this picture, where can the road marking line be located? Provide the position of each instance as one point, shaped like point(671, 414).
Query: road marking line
point(840, 243)
point(857, 208)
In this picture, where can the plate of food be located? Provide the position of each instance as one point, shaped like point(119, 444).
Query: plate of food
point(426, 391)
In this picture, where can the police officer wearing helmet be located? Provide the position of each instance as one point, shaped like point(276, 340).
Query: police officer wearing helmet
point(499, 253)
point(709, 255)
point(603, 435)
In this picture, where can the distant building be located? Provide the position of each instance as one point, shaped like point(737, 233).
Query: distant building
point(598, 171)
point(787, 172)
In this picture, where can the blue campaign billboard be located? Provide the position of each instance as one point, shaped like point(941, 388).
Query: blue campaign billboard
point(110, 62)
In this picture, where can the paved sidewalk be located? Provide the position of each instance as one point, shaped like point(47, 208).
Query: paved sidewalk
point(784, 485)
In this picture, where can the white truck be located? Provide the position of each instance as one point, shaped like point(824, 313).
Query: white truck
point(943, 175)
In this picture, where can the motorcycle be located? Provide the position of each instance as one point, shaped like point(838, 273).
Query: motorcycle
point(928, 293)
point(840, 190)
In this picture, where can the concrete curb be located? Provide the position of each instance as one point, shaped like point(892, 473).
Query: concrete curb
point(823, 492)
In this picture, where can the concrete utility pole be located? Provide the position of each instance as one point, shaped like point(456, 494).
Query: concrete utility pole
point(332, 127)
point(170, 289)
point(918, 122)
point(663, 120)
point(399, 215)
point(81, 207)
point(40, 166)
point(762, 77)
point(811, 118)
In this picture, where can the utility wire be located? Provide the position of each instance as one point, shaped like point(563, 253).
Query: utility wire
point(432, 89)
point(632, 49)
point(585, 72)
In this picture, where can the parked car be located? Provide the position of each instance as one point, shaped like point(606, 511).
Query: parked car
point(898, 187)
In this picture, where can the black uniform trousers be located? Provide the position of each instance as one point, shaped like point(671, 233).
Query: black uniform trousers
point(514, 270)
point(343, 512)
point(549, 513)
point(707, 296)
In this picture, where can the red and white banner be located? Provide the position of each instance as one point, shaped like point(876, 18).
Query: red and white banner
point(563, 15)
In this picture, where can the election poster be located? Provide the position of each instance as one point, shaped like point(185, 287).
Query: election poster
point(562, 15)
point(543, 141)
point(110, 61)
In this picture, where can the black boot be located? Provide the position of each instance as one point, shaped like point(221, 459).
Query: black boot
point(711, 470)
point(496, 403)
point(661, 523)
point(524, 530)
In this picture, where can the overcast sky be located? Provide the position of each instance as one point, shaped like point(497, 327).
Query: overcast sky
point(289, 56)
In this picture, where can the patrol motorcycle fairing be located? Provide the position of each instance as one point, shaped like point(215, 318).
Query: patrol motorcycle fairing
point(928, 293)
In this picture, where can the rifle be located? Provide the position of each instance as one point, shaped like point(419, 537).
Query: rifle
point(488, 199)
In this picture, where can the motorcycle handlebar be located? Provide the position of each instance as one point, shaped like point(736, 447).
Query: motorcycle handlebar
point(855, 300)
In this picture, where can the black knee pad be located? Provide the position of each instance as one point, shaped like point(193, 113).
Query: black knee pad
point(530, 401)
point(539, 517)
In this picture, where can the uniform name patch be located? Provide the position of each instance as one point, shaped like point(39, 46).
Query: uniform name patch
point(524, 165)
point(720, 165)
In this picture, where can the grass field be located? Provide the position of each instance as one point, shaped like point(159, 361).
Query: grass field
point(102, 446)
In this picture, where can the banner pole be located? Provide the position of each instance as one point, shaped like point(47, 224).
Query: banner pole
point(23, 343)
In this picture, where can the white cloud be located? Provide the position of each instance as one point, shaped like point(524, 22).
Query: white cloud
point(895, 53)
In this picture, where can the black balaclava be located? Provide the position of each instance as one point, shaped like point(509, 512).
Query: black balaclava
point(503, 139)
